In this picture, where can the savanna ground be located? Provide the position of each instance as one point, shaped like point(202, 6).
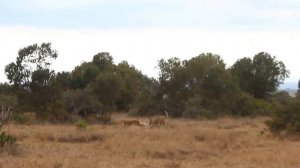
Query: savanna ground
point(226, 142)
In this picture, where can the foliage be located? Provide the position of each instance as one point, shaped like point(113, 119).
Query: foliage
point(6, 89)
point(81, 103)
point(104, 61)
point(21, 118)
point(63, 80)
point(107, 89)
point(44, 92)
point(287, 118)
point(204, 78)
point(247, 105)
point(8, 101)
point(260, 76)
point(31, 58)
point(133, 82)
point(298, 91)
point(32, 78)
point(83, 75)
point(196, 87)
point(173, 90)
point(81, 124)
point(6, 139)
point(243, 69)
point(148, 101)
point(195, 109)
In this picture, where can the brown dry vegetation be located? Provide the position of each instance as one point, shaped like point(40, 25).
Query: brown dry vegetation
point(220, 143)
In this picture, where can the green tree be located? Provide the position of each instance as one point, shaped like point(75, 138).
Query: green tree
point(87, 72)
point(213, 89)
point(31, 58)
point(44, 93)
point(261, 76)
point(298, 91)
point(199, 67)
point(81, 103)
point(5, 88)
point(64, 80)
point(107, 88)
point(243, 69)
point(104, 61)
point(148, 100)
point(83, 75)
point(173, 90)
point(132, 80)
point(202, 82)
point(32, 78)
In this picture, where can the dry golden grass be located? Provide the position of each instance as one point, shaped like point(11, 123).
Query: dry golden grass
point(223, 143)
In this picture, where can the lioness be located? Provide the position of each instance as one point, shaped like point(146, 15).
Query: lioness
point(159, 121)
point(135, 122)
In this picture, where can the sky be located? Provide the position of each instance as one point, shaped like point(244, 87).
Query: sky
point(144, 31)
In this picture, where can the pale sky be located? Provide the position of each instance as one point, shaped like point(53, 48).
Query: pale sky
point(143, 31)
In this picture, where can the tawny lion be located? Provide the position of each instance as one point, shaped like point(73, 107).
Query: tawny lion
point(135, 122)
point(159, 121)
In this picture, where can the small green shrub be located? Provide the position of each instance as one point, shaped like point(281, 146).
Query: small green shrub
point(81, 124)
point(6, 139)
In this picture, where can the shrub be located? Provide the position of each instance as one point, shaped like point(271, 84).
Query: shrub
point(247, 105)
point(287, 118)
point(21, 118)
point(83, 103)
point(195, 109)
point(6, 139)
point(193, 112)
point(81, 124)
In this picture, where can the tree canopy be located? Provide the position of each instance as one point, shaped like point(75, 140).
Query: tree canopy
point(261, 75)
point(198, 87)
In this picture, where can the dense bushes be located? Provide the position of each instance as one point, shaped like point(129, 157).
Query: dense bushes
point(286, 118)
point(198, 87)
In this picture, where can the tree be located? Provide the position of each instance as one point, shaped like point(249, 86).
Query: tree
point(31, 58)
point(212, 87)
point(103, 60)
point(201, 81)
point(132, 80)
point(87, 72)
point(64, 80)
point(261, 76)
point(149, 100)
point(298, 91)
point(81, 103)
point(243, 69)
point(198, 68)
point(84, 74)
point(32, 78)
point(173, 90)
point(107, 89)
point(43, 92)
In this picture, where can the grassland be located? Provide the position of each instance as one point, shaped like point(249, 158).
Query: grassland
point(223, 143)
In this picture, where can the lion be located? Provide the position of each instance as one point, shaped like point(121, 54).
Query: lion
point(135, 122)
point(159, 121)
point(130, 122)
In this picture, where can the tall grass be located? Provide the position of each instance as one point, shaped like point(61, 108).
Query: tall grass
point(223, 143)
